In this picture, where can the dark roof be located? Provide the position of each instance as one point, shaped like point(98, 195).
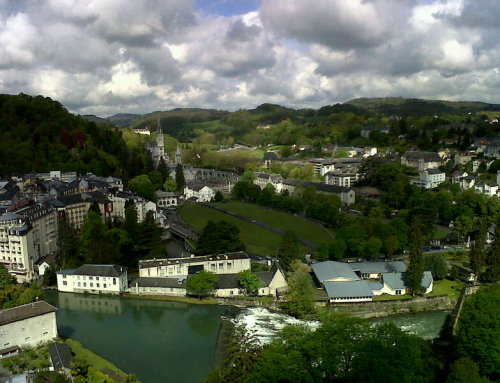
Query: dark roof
point(228, 281)
point(270, 156)
point(203, 258)
point(29, 310)
point(265, 277)
point(434, 171)
point(426, 156)
point(179, 283)
point(100, 270)
point(60, 354)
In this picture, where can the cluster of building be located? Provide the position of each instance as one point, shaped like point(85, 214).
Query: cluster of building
point(169, 276)
point(361, 281)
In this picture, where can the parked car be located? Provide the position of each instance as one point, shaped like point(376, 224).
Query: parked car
point(435, 247)
point(426, 248)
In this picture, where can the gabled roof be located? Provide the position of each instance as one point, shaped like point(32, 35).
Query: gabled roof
point(60, 355)
point(270, 156)
point(29, 310)
point(399, 281)
point(378, 267)
point(353, 289)
point(330, 270)
point(425, 156)
point(228, 281)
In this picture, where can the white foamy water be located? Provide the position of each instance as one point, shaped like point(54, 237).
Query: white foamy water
point(265, 324)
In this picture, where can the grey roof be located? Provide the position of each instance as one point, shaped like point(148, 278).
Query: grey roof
point(378, 267)
point(354, 289)
point(265, 277)
point(9, 217)
point(318, 186)
point(29, 310)
point(60, 355)
point(375, 285)
point(399, 281)
point(331, 270)
point(228, 281)
point(179, 283)
point(204, 258)
point(434, 171)
point(66, 271)
point(100, 270)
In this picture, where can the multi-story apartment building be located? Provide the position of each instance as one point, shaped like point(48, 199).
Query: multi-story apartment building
point(25, 236)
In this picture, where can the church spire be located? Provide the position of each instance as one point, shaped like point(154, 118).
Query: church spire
point(158, 127)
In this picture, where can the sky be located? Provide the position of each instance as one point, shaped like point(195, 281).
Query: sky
point(122, 56)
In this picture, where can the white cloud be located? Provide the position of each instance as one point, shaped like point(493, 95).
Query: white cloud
point(105, 57)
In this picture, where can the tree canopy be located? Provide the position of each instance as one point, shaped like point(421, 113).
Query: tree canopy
point(218, 238)
point(202, 284)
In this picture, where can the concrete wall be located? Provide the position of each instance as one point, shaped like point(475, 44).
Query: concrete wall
point(29, 332)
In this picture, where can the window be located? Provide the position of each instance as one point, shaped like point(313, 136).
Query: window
point(96, 278)
point(92, 285)
point(104, 285)
point(45, 333)
point(90, 278)
point(79, 284)
point(97, 285)
point(231, 292)
point(178, 269)
point(64, 276)
point(212, 266)
point(114, 281)
point(6, 344)
point(221, 266)
point(65, 283)
point(84, 284)
point(229, 265)
point(78, 277)
point(27, 338)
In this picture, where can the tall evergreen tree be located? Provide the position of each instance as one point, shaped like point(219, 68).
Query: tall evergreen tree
point(179, 177)
point(67, 242)
point(92, 238)
point(416, 266)
point(219, 237)
point(163, 169)
point(289, 250)
point(492, 273)
point(478, 254)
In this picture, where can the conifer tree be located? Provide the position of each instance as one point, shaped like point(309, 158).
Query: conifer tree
point(416, 266)
point(477, 254)
point(179, 177)
point(163, 169)
point(289, 250)
point(492, 273)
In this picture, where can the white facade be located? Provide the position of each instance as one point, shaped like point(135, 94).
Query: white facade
point(166, 199)
point(95, 279)
point(429, 179)
point(27, 325)
point(203, 194)
point(231, 263)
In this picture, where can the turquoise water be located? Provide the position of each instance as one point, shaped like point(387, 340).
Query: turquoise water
point(157, 341)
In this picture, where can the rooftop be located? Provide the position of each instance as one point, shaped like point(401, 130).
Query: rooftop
point(351, 289)
point(96, 270)
point(331, 270)
point(26, 311)
point(204, 258)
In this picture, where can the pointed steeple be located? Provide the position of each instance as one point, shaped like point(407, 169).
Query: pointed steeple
point(178, 159)
point(159, 128)
point(178, 150)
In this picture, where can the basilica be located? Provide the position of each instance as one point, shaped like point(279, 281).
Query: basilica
point(157, 149)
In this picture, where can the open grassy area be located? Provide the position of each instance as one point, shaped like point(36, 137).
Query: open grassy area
point(284, 221)
point(447, 287)
point(97, 363)
point(257, 239)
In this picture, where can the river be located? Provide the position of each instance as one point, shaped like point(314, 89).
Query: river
point(155, 340)
point(175, 342)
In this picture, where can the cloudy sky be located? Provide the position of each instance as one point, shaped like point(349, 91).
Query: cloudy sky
point(109, 56)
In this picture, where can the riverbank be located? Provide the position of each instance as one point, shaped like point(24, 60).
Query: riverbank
point(100, 369)
point(166, 298)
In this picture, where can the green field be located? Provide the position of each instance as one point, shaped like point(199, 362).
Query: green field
point(257, 239)
point(302, 227)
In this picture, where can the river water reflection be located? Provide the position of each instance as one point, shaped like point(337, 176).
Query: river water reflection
point(157, 341)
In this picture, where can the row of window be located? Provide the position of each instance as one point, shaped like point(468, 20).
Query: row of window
point(90, 278)
point(26, 339)
point(97, 285)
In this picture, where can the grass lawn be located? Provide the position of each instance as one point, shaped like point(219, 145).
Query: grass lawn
point(257, 239)
point(97, 363)
point(284, 221)
point(447, 287)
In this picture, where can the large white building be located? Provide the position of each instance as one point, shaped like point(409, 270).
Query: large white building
point(25, 236)
point(230, 263)
point(201, 192)
point(429, 179)
point(26, 325)
point(94, 279)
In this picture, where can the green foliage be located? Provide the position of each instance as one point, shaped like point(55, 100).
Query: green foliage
point(219, 197)
point(416, 264)
point(179, 177)
point(436, 263)
point(288, 251)
point(492, 273)
point(202, 284)
point(156, 179)
point(38, 134)
point(50, 277)
point(92, 240)
point(478, 332)
point(67, 242)
point(218, 238)
point(50, 377)
point(248, 177)
point(14, 295)
point(300, 296)
point(373, 247)
point(465, 370)
point(143, 186)
point(6, 278)
point(170, 185)
point(249, 281)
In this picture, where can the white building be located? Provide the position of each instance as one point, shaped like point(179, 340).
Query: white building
point(202, 193)
point(230, 263)
point(25, 236)
point(166, 199)
point(342, 177)
point(429, 179)
point(26, 325)
point(421, 160)
point(145, 131)
point(94, 279)
point(263, 179)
